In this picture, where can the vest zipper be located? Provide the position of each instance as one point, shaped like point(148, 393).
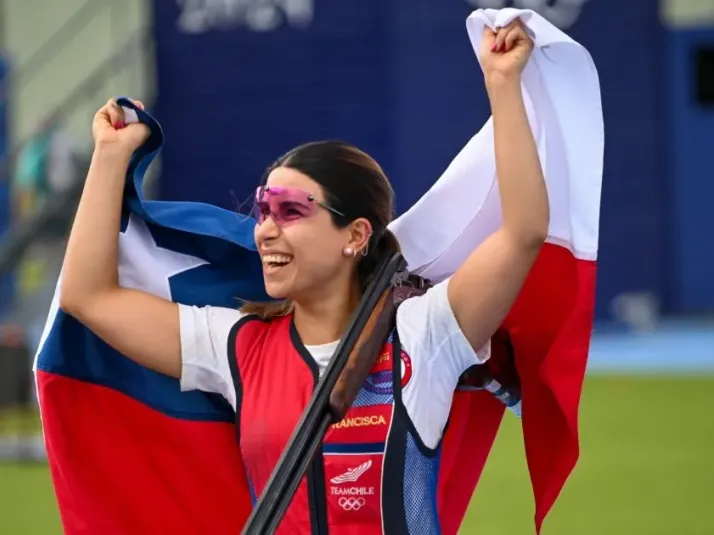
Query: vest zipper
point(316, 491)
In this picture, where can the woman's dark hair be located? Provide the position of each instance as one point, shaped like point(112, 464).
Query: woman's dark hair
point(353, 184)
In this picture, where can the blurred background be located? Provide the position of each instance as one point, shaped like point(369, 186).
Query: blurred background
point(235, 83)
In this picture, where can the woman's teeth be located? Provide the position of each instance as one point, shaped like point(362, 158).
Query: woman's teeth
point(274, 259)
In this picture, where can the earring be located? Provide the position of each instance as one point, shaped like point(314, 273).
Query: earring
point(365, 251)
point(348, 251)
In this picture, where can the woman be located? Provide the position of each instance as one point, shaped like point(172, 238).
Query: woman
point(322, 214)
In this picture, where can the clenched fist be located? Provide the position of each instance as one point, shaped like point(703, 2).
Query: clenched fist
point(110, 129)
point(505, 51)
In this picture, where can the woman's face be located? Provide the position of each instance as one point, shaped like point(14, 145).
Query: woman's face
point(301, 248)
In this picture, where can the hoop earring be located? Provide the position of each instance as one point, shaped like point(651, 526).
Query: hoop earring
point(365, 251)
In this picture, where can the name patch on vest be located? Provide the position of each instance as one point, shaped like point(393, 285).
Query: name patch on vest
point(368, 424)
point(361, 421)
point(353, 454)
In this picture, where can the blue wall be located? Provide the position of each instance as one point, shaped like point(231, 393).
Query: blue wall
point(233, 101)
point(690, 148)
point(399, 79)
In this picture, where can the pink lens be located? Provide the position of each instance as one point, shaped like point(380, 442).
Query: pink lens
point(284, 205)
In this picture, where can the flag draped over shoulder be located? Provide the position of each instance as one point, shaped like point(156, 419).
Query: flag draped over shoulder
point(130, 453)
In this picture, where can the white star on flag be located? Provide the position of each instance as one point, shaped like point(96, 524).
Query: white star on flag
point(137, 247)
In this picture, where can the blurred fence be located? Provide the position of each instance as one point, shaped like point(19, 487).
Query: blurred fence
point(19, 438)
point(33, 248)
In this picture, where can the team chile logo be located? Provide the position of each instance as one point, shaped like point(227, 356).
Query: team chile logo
point(379, 381)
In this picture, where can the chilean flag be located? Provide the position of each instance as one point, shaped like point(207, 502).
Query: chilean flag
point(130, 453)
point(550, 325)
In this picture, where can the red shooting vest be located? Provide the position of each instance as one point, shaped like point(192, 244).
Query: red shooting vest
point(356, 484)
point(543, 356)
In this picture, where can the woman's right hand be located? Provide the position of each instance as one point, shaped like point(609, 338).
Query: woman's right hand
point(109, 129)
point(139, 325)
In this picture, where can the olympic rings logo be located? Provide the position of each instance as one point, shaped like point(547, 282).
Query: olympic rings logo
point(351, 504)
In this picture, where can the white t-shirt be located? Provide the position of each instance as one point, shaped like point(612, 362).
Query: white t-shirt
point(428, 333)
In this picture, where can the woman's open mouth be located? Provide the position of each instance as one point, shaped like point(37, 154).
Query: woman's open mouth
point(273, 262)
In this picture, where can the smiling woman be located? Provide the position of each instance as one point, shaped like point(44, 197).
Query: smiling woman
point(314, 185)
point(322, 213)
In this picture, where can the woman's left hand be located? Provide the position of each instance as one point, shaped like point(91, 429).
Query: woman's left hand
point(506, 50)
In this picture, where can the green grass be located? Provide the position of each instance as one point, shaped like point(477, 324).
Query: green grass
point(647, 467)
point(27, 501)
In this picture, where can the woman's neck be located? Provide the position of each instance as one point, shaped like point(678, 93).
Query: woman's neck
point(325, 320)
